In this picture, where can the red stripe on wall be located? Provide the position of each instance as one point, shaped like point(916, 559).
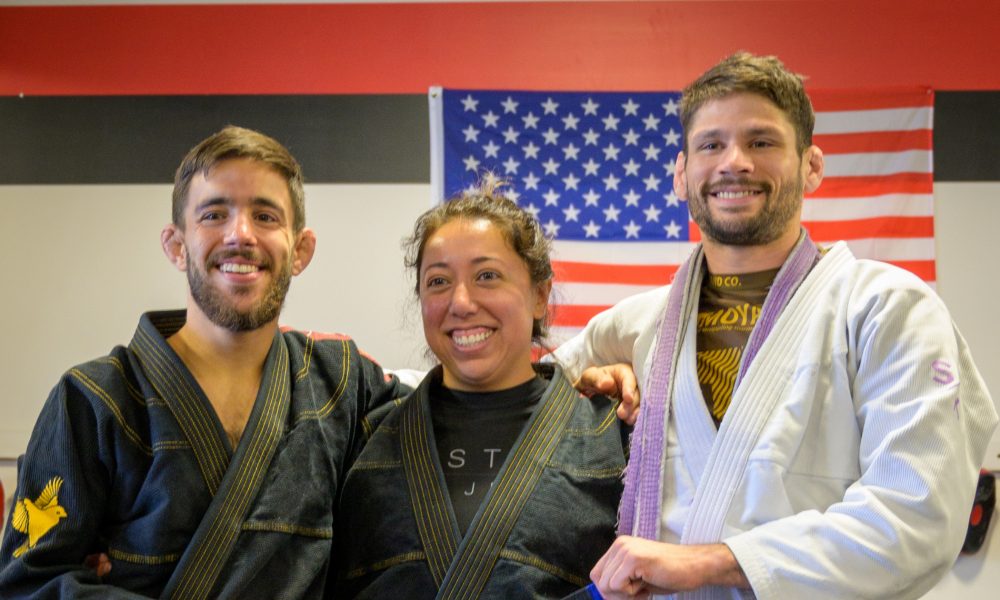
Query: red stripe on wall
point(875, 141)
point(574, 315)
point(867, 186)
point(878, 227)
point(404, 48)
point(575, 272)
point(827, 101)
point(923, 269)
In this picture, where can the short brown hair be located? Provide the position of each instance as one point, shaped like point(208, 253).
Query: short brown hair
point(518, 228)
point(237, 142)
point(762, 75)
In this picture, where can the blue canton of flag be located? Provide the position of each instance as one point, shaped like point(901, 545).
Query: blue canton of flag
point(588, 166)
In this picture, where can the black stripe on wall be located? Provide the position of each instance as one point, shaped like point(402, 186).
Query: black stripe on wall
point(337, 139)
point(142, 139)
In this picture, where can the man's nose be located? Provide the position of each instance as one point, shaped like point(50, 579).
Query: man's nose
point(241, 231)
point(736, 159)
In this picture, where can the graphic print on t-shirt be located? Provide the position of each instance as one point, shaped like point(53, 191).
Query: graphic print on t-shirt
point(728, 309)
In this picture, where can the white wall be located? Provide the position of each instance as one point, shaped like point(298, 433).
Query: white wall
point(83, 262)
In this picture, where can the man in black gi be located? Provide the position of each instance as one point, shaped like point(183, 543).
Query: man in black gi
point(205, 457)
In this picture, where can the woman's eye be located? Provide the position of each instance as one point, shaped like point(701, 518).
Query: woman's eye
point(434, 281)
point(489, 275)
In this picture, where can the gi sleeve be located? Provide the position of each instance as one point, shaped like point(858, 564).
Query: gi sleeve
point(925, 419)
point(62, 485)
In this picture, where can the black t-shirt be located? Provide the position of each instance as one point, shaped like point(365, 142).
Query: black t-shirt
point(474, 432)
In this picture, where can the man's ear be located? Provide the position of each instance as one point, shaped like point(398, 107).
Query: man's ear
point(680, 177)
point(172, 240)
point(305, 247)
point(812, 169)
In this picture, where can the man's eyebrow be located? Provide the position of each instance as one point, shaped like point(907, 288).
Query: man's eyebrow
point(210, 202)
point(268, 203)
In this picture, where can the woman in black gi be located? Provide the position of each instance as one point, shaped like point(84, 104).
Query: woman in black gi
point(495, 478)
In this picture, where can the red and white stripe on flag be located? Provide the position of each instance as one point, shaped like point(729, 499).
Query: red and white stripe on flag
point(877, 195)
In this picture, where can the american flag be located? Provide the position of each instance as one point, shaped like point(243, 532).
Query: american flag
point(596, 170)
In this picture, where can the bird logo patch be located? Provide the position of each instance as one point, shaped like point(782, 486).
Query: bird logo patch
point(38, 517)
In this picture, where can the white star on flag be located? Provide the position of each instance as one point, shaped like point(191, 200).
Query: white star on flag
point(471, 164)
point(631, 108)
point(631, 138)
point(611, 122)
point(471, 134)
point(611, 153)
point(632, 167)
point(591, 137)
point(673, 230)
point(672, 137)
point(509, 106)
point(551, 136)
point(551, 167)
point(531, 182)
point(671, 107)
point(490, 119)
point(652, 183)
point(672, 199)
point(531, 150)
point(571, 182)
point(532, 210)
point(551, 198)
point(552, 228)
point(569, 121)
point(510, 167)
point(652, 213)
point(652, 152)
point(491, 149)
point(512, 195)
point(510, 136)
point(631, 198)
point(632, 230)
point(530, 121)
point(611, 213)
point(590, 107)
point(670, 167)
point(550, 106)
point(592, 229)
point(571, 151)
point(571, 213)
point(591, 197)
point(611, 182)
point(590, 167)
point(469, 103)
point(651, 122)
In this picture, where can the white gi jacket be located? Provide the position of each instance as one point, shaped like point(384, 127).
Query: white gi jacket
point(846, 464)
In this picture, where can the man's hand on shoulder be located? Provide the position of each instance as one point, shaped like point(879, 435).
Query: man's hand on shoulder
point(637, 568)
point(616, 381)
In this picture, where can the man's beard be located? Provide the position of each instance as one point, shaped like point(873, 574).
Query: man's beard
point(221, 312)
point(760, 229)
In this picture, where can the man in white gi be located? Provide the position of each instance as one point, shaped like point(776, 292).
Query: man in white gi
point(812, 424)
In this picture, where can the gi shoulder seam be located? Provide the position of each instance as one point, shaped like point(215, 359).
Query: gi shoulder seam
point(143, 559)
point(276, 527)
point(132, 390)
point(110, 403)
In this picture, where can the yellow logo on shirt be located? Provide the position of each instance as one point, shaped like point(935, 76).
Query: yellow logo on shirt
point(38, 517)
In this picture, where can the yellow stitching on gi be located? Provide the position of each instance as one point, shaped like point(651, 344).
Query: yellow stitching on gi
point(377, 464)
point(143, 559)
point(172, 445)
point(36, 518)
point(608, 420)
point(110, 402)
point(544, 566)
point(135, 393)
point(306, 356)
point(325, 533)
point(341, 386)
point(385, 564)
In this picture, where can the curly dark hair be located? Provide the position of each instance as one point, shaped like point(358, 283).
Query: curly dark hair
point(518, 228)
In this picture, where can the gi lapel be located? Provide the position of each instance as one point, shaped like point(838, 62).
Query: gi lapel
point(759, 387)
point(695, 428)
point(640, 507)
point(178, 388)
point(216, 536)
point(488, 532)
point(460, 571)
point(431, 506)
